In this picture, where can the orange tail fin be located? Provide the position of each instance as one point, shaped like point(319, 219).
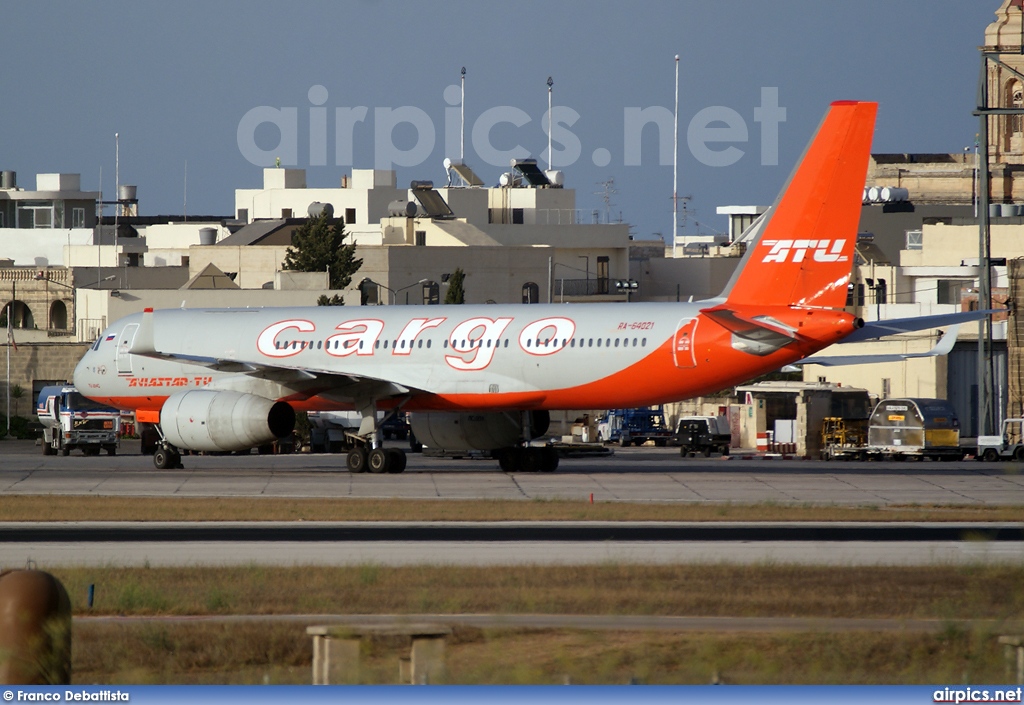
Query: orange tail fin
point(803, 254)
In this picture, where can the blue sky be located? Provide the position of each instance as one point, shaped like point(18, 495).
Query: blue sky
point(175, 80)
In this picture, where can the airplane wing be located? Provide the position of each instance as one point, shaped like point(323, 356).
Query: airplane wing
point(943, 347)
point(880, 329)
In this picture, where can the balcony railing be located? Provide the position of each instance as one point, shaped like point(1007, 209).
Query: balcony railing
point(581, 287)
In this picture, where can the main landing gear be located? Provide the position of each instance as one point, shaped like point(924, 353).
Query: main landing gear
point(528, 459)
point(368, 453)
point(375, 460)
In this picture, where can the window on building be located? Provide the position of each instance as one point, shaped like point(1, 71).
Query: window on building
point(1016, 101)
point(286, 213)
point(881, 292)
point(531, 293)
point(517, 216)
point(431, 293)
point(602, 275)
point(77, 217)
point(421, 238)
point(350, 216)
point(915, 240)
point(886, 387)
point(949, 291)
point(368, 294)
point(243, 215)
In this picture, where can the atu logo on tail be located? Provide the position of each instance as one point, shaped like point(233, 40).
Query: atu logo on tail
point(824, 250)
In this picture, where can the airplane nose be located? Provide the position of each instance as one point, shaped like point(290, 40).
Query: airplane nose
point(81, 374)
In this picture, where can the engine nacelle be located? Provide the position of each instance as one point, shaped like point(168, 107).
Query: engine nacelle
point(475, 431)
point(203, 419)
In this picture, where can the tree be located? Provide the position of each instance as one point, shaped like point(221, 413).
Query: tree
point(456, 293)
point(318, 246)
point(326, 300)
point(17, 394)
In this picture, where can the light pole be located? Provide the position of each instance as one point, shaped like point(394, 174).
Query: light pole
point(394, 293)
point(462, 129)
point(421, 282)
point(550, 84)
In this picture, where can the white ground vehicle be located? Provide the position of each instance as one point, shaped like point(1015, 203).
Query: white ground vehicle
point(992, 448)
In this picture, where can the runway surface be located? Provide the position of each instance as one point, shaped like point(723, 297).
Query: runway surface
point(506, 543)
point(632, 474)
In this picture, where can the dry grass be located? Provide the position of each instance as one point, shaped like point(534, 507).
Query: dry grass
point(715, 590)
point(275, 653)
point(77, 508)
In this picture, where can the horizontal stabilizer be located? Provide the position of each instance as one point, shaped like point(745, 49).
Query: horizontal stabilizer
point(879, 329)
point(943, 347)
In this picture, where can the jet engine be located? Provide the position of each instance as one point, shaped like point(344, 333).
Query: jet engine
point(203, 419)
point(476, 431)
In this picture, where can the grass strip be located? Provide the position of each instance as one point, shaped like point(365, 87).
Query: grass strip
point(274, 653)
point(936, 592)
point(45, 508)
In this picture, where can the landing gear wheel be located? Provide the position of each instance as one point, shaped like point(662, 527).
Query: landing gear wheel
point(548, 459)
point(396, 463)
point(509, 459)
point(356, 460)
point(379, 460)
point(163, 459)
point(531, 461)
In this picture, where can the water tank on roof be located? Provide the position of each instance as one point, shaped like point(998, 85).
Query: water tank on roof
point(892, 194)
point(316, 208)
point(8, 179)
point(207, 236)
point(556, 177)
point(874, 194)
point(126, 192)
point(402, 209)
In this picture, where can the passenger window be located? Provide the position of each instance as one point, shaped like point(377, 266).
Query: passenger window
point(385, 345)
point(428, 342)
point(643, 342)
point(616, 342)
point(634, 342)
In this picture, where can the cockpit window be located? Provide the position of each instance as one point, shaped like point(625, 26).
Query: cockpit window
point(96, 345)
